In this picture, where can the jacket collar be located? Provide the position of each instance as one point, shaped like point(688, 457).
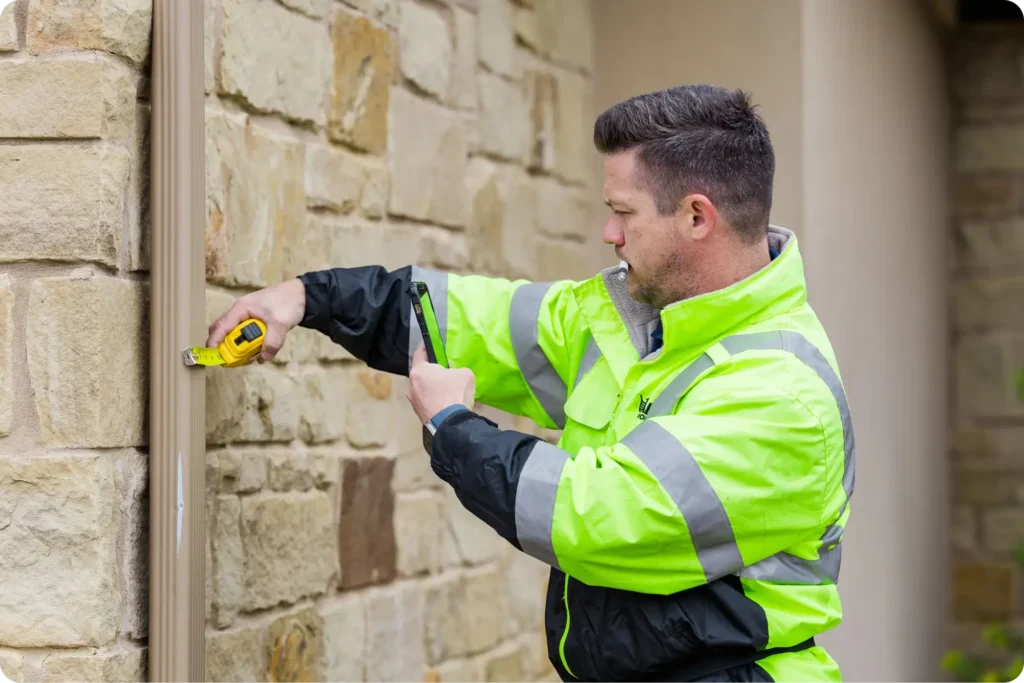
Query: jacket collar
point(622, 326)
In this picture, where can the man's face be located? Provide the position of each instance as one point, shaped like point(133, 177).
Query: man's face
point(654, 246)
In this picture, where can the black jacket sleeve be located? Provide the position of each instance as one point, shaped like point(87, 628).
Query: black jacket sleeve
point(365, 310)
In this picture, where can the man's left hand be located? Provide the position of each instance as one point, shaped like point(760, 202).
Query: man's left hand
point(432, 388)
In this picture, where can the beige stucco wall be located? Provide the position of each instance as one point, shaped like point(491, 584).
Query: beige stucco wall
point(854, 96)
point(448, 134)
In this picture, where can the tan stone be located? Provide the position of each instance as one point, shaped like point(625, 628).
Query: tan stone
point(60, 520)
point(425, 43)
point(387, 12)
point(990, 245)
point(574, 147)
point(504, 118)
point(368, 409)
point(12, 663)
point(237, 655)
point(228, 560)
point(97, 98)
point(497, 40)
point(428, 161)
point(460, 615)
point(566, 34)
point(139, 217)
point(275, 59)
point(345, 638)
point(503, 220)
point(983, 591)
point(290, 470)
point(334, 179)
point(457, 670)
point(445, 250)
point(558, 259)
point(325, 400)
point(542, 99)
point(62, 203)
point(462, 85)
point(86, 398)
point(984, 487)
point(1003, 529)
point(991, 194)
point(211, 41)
point(361, 84)
point(992, 147)
point(119, 26)
point(242, 471)
point(982, 380)
point(296, 647)
point(350, 242)
point(419, 529)
point(274, 526)
point(6, 355)
point(111, 665)
point(395, 623)
point(374, 202)
point(524, 581)
point(132, 479)
point(474, 541)
point(987, 304)
point(527, 28)
point(9, 29)
point(312, 8)
point(412, 468)
point(366, 532)
point(251, 403)
point(563, 211)
point(256, 228)
point(504, 663)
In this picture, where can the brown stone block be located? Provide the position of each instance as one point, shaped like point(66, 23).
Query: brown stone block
point(361, 86)
point(983, 591)
point(296, 647)
point(366, 533)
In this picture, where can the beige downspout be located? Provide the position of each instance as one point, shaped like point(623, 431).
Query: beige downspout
point(177, 448)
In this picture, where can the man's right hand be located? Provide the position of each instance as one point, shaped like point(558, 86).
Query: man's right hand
point(280, 306)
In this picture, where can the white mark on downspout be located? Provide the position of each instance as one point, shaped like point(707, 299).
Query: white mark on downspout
point(181, 505)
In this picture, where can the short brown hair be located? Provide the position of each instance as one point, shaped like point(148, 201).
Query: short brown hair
point(697, 138)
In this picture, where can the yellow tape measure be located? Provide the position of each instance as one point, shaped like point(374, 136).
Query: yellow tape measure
point(239, 347)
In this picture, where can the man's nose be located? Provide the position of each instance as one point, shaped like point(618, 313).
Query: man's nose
point(612, 233)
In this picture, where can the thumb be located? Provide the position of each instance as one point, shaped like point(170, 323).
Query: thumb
point(420, 355)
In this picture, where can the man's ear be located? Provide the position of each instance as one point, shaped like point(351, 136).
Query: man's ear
point(698, 216)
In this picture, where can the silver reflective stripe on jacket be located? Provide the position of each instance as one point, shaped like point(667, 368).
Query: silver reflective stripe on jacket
point(537, 370)
point(535, 501)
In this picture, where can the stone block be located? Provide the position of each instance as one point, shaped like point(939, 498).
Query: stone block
point(110, 665)
point(988, 487)
point(123, 27)
point(255, 203)
point(497, 38)
point(253, 403)
point(419, 532)
point(456, 670)
point(290, 547)
point(993, 147)
point(425, 42)
point(575, 125)
point(445, 250)
point(395, 623)
point(62, 203)
point(369, 408)
point(563, 211)
point(983, 591)
point(58, 566)
point(9, 29)
point(986, 194)
point(317, 9)
point(12, 663)
point(6, 355)
point(504, 118)
point(345, 638)
point(290, 470)
point(79, 97)
point(990, 245)
point(361, 84)
point(228, 560)
point(1003, 529)
point(963, 529)
point(366, 532)
point(566, 34)
point(132, 479)
point(85, 398)
point(986, 68)
point(542, 99)
point(275, 59)
point(212, 26)
point(988, 304)
point(334, 179)
point(386, 12)
point(462, 84)
point(504, 663)
point(429, 148)
point(527, 28)
point(242, 471)
point(560, 259)
point(237, 655)
point(502, 220)
point(525, 581)
point(351, 242)
point(982, 379)
point(474, 542)
point(325, 401)
point(460, 615)
point(296, 647)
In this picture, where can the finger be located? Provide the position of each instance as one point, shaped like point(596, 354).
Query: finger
point(238, 312)
point(273, 342)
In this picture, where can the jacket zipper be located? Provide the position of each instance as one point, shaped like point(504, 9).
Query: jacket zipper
point(565, 634)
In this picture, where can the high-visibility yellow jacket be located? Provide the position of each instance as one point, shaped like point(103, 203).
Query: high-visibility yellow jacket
point(693, 509)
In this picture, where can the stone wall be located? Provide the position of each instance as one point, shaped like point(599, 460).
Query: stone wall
point(987, 253)
point(452, 134)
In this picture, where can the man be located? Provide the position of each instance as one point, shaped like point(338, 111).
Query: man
point(693, 510)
